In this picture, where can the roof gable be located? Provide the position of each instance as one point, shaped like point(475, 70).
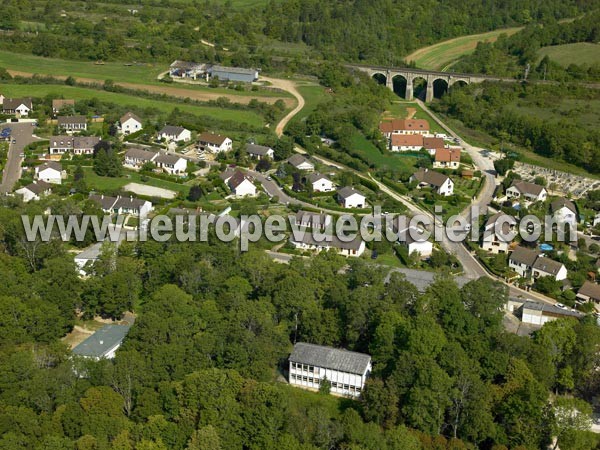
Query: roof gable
point(330, 358)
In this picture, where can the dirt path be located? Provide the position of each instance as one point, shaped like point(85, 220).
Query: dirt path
point(410, 112)
point(175, 91)
point(288, 86)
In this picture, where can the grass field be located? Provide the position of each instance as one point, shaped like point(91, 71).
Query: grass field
point(579, 53)
point(313, 95)
point(77, 93)
point(369, 152)
point(99, 183)
point(399, 110)
point(441, 55)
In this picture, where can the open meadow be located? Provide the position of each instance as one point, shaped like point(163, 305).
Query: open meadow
point(578, 53)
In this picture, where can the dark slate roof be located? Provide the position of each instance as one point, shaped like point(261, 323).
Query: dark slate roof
point(523, 255)
point(234, 70)
point(102, 341)
point(545, 307)
point(61, 141)
point(227, 173)
point(347, 191)
point(38, 187)
point(260, 150)
point(13, 103)
point(50, 165)
point(129, 202)
point(431, 177)
point(140, 153)
point(104, 201)
point(85, 141)
point(297, 159)
point(525, 187)
point(167, 158)
point(313, 177)
point(211, 138)
point(129, 115)
point(547, 265)
point(330, 358)
point(560, 202)
point(171, 130)
point(236, 179)
point(64, 120)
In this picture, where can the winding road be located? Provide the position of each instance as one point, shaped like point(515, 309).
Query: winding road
point(289, 86)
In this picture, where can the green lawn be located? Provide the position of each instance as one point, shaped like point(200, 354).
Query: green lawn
point(363, 146)
point(313, 95)
point(579, 53)
point(99, 183)
point(77, 93)
point(441, 55)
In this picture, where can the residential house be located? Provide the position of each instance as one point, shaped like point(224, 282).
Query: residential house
point(20, 107)
point(60, 144)
point(347, 371)
point(103, 344)
point(349, 197)
point(301, 163)
point(320, 183)
point(259, 151)
point(35, 191)
point(122, 205)
point(564, 211)
point(446, 158)
point(234, 74)
point(404, 126)
point(528, 191)
point(105, 202)
point(171, 133)
point(440, 183)
point(497, 232)
point(50, 172)
point(241, 185)
point(431, 144)
point(529, 263)
point(406, 142)
point(135, 158)
point(227, 174)
point(188, 69)
point(2, 97)
point(308, 219)
point(539, 313)
point(171, 164)
point(71, 124)
point(130, 123)
point(355, 247)
point(589, 292)
point(214, 143)
point(414, 240)
point(84, 145)
point(60, 104)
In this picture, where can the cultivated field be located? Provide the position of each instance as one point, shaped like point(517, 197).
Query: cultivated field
point(579, 53)
point(440, 56)
point(77, 93)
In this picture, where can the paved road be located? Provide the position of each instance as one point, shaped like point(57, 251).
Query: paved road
point(21, 136)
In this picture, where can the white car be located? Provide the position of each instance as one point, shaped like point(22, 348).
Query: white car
point(561, 306)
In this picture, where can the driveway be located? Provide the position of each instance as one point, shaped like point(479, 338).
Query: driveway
point(21, 136)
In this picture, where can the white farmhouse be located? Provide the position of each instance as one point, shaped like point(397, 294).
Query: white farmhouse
point(346, 371)
point(528, 191)
point(320, 183)
point(214, 143)
point(130, 123)
point(50, 172)
point(440, 183)
point(349, 197)
point(170, 133)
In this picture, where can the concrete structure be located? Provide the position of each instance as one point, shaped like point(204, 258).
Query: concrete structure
point(320, 183)
point(430, 77)
point(130, 123)
point(259, 151)
point(172, 133)
point(35, 191)
point(214, 143)
point(346, 371)
point(446, 158)
point(301, 163)
point(72, 124)
point(497, 232)
point(306, 241)
point(528, 191)
point(528, 263)
point(50, 172)
point(441, 184)
point(349, 197)
point(539, 313)
point(103, 344)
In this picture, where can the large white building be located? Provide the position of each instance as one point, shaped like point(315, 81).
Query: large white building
point(346, 371)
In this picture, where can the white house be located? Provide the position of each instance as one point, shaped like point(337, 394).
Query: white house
point(172, 133)
point(259, 151)
point(320, 183)
point(214, 143)
point(104, 343)
point(135, 158)
point(60, 144)
point(171, 164)
point(71, 124)
point(529, 191)
point(50, 172)
point(589, 292)
point(529, 263)
point(440, 183)
point(306, 241)
point(130, 123)
point(346, 371)
point(413, 239)
point(122, 205)
point(84, 145)
point(188, 69)
point(35, 190)
point(446, 158)
point(564, 211)
point(497, 232)
point(20, 107)
point(351, 198)
point(241, 185)
point(406, 142)
point(301, 163)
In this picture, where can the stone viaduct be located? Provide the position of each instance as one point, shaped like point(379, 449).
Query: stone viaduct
point(430, 77)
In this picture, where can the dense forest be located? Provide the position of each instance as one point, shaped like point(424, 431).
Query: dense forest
point(509, 56)
point(509, 113)
point(199, 369)
point(381, 31)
